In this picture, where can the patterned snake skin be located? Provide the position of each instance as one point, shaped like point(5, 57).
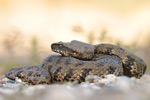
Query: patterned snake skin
point(77, 60)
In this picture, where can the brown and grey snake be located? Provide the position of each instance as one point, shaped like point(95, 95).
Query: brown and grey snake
point(77, 60)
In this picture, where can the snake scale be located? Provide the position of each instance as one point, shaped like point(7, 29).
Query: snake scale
point(76, 60)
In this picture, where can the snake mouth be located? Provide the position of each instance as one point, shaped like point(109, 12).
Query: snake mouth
point(60, 48)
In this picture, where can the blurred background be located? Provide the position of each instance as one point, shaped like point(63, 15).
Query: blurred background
point(28, 27)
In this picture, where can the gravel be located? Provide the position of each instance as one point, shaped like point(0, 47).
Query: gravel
point(94, 88)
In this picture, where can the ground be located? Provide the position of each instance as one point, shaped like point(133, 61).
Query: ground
point(93, 88)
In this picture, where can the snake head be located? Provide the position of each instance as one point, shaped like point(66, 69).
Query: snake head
point(75, 49)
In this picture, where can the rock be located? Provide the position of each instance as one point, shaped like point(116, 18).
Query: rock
point(4, 81)
point(92, 78)
point(12, 85)
point(11, 81)
point(111, 77)
point(18, 80)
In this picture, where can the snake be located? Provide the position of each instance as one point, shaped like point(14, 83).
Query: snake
point(75, 60)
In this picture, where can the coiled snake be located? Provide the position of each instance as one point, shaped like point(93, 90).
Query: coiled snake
point(77, 60)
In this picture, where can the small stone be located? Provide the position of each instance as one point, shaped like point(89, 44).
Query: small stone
point(12, 85)
point(111, 77)
point(92, 78)
point(4, 81)
point(104, 82)
point(18, 80)
point(11, 81)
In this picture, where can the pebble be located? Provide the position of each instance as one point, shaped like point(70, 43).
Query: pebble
point(12, 85)
point(4, 81)
point(111, 77)
point(92, 78)
point(18, 80)
point(11, 81)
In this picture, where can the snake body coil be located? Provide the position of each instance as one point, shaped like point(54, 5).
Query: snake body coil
point(77, 60)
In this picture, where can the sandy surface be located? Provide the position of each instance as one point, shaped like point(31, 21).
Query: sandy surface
point(2, 76)
point(109, 88)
